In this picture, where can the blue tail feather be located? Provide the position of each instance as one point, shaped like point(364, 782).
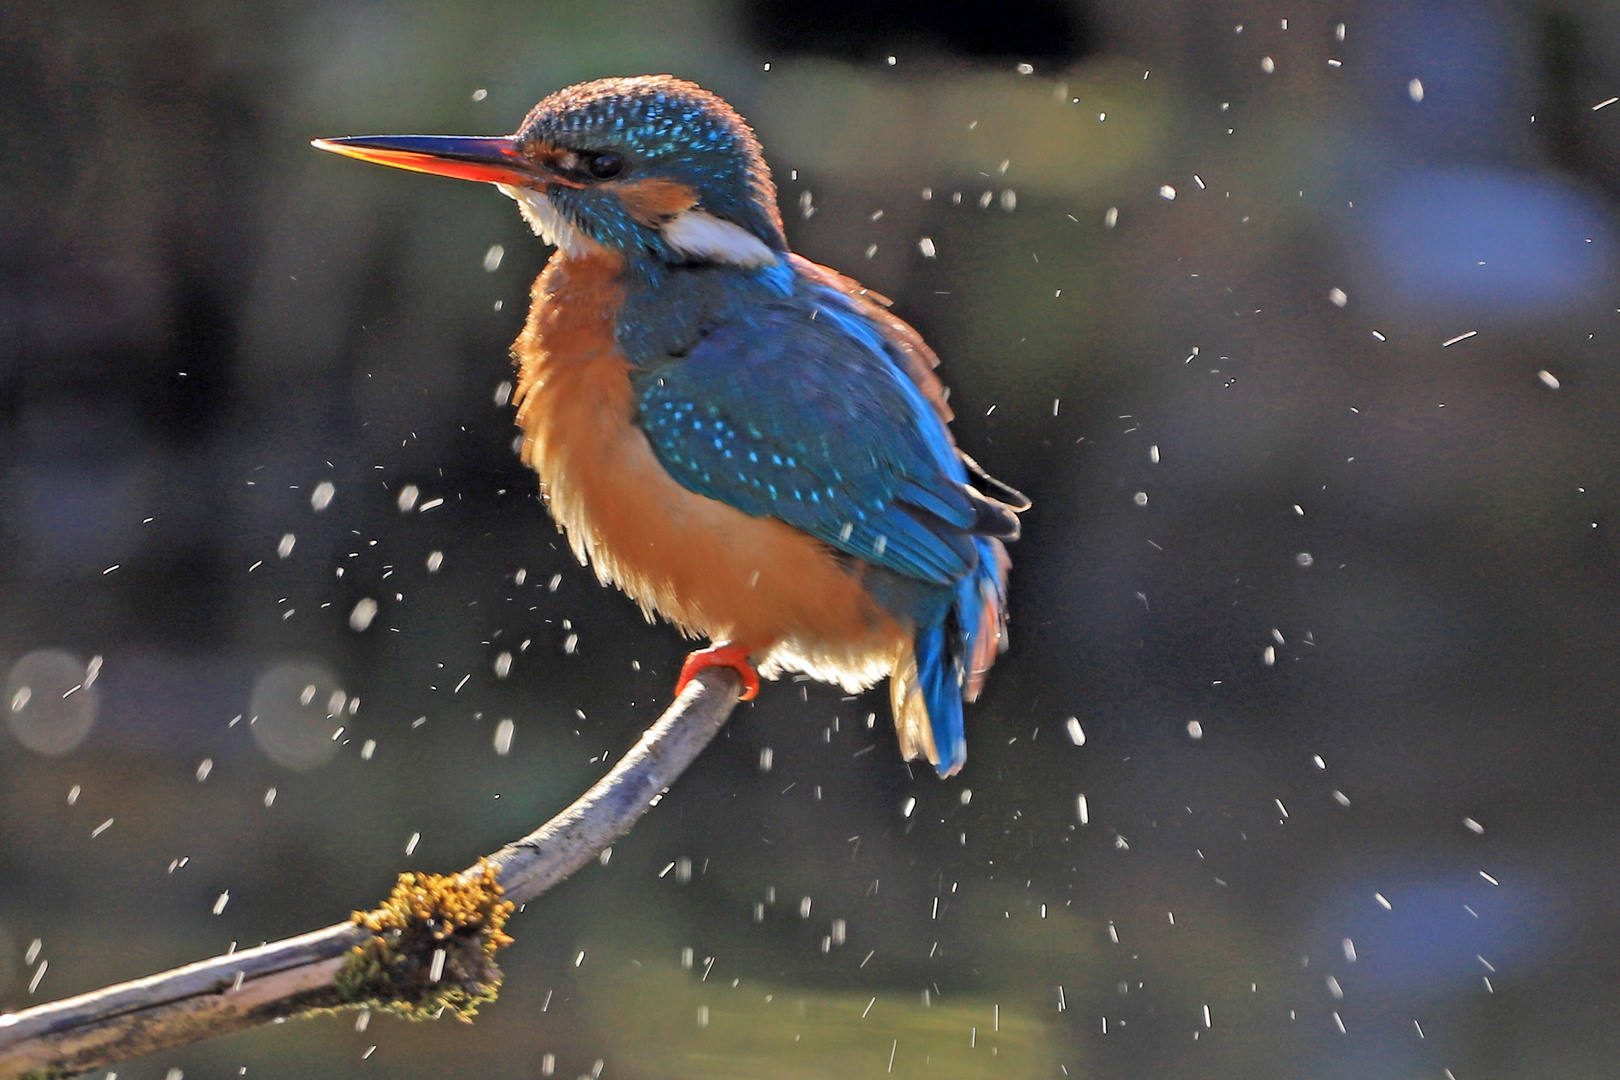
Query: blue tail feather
point(939, 678)
point(947, 650)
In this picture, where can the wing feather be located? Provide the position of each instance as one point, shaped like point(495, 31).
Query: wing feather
point(798, 411)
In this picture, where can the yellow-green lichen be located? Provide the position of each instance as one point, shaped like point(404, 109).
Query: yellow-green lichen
point(432, 948)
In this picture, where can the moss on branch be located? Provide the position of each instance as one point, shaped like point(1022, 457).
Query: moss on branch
point(433, 946)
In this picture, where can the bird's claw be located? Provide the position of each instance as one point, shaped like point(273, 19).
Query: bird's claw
point(722, 655)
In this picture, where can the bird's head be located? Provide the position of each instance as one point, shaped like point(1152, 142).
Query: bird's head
point(651, 167)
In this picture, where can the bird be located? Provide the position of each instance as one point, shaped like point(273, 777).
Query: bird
point(750, 445)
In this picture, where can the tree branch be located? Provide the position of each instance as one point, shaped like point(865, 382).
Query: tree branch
point(288, 977)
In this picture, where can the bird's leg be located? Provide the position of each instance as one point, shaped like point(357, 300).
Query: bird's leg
point(724, 654)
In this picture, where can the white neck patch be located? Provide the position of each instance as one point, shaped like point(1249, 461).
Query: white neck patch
point(547, 223)
point(693, 233)
point(706, 238)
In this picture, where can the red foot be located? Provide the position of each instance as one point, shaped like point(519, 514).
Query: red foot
point(722, 655)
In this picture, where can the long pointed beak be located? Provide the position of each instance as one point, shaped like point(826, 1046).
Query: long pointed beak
point(492, 160)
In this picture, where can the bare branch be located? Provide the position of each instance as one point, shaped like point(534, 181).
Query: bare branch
point(288, 977)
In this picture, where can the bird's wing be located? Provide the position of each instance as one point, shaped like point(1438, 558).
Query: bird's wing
point(917, 360)
point(798, 411)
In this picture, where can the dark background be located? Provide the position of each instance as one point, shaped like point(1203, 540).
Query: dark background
point(1374, 572)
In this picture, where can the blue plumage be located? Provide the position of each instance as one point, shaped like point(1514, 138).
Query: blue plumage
point(783, 414)
point(798, 407)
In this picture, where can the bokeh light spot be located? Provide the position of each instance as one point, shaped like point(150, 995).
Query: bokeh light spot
point(48, 706)
point(293, 719)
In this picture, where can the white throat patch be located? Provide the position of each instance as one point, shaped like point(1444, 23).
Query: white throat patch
point(694, 234)
point(706, 238)
point(547, 223)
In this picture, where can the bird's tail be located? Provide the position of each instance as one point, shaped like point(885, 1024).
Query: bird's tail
point(947, 663)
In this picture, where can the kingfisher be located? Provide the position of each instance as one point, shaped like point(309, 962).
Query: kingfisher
point(750, 445)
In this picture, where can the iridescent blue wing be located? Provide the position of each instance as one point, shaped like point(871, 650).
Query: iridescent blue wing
point(798, 411)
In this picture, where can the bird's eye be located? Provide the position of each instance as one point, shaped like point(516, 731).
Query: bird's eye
point(605, 166)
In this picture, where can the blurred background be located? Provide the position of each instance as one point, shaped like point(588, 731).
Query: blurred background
point(1297, 320)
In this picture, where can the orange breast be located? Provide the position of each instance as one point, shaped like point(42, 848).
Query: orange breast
point(707, 567)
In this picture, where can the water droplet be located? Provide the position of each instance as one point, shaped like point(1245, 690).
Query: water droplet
point(360, 618)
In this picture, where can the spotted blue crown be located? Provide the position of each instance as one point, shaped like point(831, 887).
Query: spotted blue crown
point(666, 129)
